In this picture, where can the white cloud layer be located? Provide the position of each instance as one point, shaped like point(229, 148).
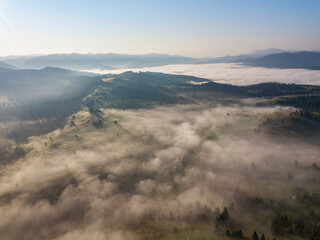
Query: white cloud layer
point(151, 162)
point(233, 73)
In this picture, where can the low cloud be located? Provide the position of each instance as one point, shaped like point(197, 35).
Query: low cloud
point(152, 162)
point(231, 73)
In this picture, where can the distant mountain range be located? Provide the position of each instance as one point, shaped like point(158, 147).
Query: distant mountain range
point(99, 61)
point(265, 52)
point(272, 58)
point(308, 60)
point(7, 66)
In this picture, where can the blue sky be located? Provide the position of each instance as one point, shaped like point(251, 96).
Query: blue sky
point(195, 28)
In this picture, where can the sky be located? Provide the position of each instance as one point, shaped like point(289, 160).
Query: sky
point(198, 28)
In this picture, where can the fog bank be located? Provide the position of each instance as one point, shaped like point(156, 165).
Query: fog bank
point(232, 73)
point(83, 182)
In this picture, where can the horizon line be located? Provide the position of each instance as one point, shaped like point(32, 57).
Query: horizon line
point(151, 53)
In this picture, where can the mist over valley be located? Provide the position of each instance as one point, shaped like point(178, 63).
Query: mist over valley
point(159, 120)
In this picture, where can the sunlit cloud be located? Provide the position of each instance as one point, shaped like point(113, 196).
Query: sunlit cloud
point(232, 73)
point(173, 158)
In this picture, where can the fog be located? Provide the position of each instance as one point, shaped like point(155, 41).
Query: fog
point(232, 73)
point(142, 163)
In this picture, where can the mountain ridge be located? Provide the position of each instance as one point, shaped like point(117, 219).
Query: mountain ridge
point(303, 59)
point(7, 66)
point(110, 61)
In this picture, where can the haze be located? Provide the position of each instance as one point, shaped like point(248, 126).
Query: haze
point(160, 120)
point(190, 28)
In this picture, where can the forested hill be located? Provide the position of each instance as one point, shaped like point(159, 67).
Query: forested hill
point(55, 94)
point(128, 90)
